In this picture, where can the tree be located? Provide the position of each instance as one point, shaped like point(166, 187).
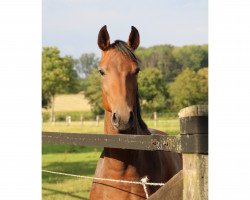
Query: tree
point(159, 56)
point(58, 76)
point(46, 100)
point(93, 91)
point(189, 88)
point(86, 63)
point(152, 90)
point(192, 56)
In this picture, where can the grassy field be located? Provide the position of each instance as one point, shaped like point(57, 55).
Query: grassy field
point(78, 160)
point(68, 159)
point(170, 126)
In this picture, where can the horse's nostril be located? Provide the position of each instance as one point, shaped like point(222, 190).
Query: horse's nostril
point(115, 118)
point(122, 124)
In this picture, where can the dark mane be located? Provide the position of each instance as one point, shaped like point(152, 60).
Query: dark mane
point(125, 50)
point(142, 124)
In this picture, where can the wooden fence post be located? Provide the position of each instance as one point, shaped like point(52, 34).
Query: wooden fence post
point(97, 120)
point(81, 119)
point(68, 120)
point(194, 121)
point(54, 120)
point(155, 119)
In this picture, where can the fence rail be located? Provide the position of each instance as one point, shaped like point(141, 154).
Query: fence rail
point(180, 144)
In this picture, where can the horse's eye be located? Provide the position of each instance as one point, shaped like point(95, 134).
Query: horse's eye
point(101, 72)
point(137, 70)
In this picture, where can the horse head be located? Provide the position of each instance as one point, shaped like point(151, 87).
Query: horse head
point(119, 68)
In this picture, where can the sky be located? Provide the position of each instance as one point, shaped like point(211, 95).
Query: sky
point(73, 25)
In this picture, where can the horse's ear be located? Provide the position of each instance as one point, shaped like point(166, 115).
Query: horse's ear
point(134, 38)
point(103, 38)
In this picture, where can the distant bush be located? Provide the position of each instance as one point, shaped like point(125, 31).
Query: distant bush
point(189, 88)
point(152, 90)
point(93, 92)
point(45, 116)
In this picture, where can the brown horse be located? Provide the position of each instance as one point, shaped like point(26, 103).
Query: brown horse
point(119, 69)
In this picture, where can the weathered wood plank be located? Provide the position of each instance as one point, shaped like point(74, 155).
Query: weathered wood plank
point(194, 122)
point(137, 142)
point(195, 179)
point(196, 110)
point(172, 190)
point(194, 125)
point(180, 144)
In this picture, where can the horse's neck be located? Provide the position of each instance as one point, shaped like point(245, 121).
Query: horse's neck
point(120, 158)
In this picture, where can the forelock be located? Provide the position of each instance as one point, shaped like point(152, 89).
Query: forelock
point(123, 47)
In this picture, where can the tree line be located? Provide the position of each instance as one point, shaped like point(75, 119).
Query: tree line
point(171, 77)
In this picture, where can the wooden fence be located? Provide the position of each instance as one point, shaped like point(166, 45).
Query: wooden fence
point(192, 143)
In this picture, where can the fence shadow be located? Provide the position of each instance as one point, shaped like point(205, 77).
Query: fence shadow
point(78, 168)
point(62, 193)
point(66, 148)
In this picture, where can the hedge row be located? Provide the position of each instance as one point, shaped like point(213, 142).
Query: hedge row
point(75, 115)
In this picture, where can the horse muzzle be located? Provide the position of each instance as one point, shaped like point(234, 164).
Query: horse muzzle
point(122, 124)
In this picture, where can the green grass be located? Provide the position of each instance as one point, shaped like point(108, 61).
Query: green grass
point(78, 160)
point(68, 159)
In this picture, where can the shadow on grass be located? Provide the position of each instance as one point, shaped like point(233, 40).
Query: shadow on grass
point(62, 193)
point(65, 148)
point(77, 168)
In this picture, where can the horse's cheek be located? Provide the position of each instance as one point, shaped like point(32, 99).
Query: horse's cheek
point(105, 103)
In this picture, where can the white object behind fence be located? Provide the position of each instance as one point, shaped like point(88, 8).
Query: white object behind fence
point(155, 119)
